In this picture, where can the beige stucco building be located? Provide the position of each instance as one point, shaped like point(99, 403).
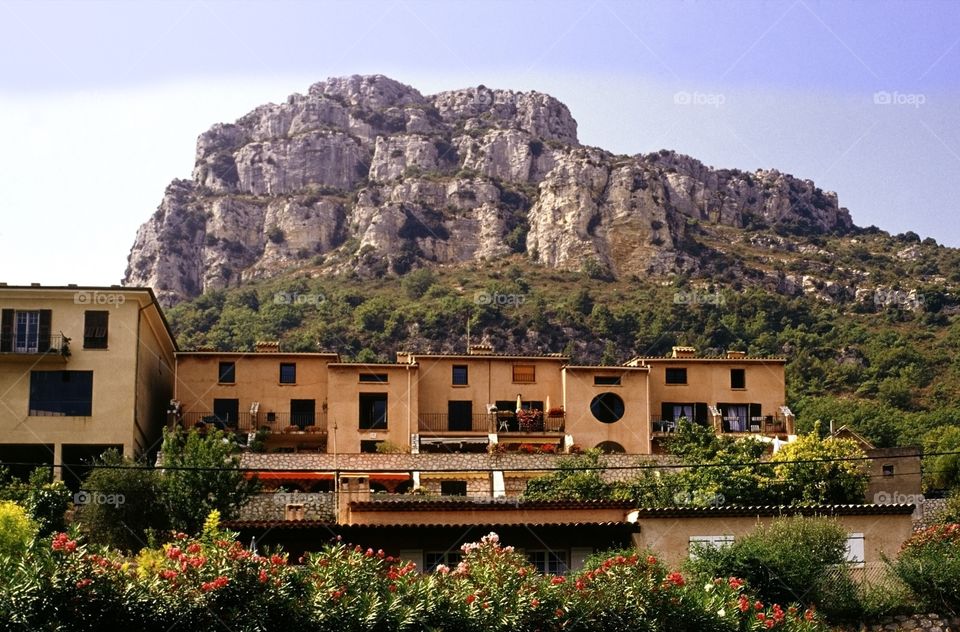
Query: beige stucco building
point(82, 369)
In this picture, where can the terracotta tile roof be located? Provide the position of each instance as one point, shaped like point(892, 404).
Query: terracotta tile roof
point(487, 505)
point(771, 510)
point(331, 526)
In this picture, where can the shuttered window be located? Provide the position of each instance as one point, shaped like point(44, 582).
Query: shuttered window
point(524, 373)
point(95, 329)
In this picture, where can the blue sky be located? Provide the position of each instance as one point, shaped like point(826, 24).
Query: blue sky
point(101, 102)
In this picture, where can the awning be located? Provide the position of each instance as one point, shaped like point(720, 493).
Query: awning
point(444, 440)
point(274, 475)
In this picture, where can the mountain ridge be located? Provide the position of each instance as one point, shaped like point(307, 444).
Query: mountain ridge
point(366, 175)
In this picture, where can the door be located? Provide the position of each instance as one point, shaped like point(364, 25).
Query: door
point(226, 411)
point(460, 416)
point(303, 412)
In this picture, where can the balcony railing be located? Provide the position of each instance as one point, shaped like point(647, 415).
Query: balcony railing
point(767, 424)
point(444, 422)
point(249, 422)
point(54, 344)
point(500, 422)
point(530, 421)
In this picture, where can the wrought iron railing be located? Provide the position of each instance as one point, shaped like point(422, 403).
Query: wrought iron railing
point(56, 344)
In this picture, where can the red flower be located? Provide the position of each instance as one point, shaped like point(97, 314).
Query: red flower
point(168, 574)
point(83, 583)
point(743, 603)
point(534, 602)
point(735, 583)
point(174, 552)
point(216, 584)
point(651, 560)
point(556, 581)
point(471, 598)
point(193, 549)
point(263, 577)
point(676, 579)
point(278, 560)
point(392, 587)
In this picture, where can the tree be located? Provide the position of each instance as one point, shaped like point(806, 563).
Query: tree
point(204, 475)
point(576, 478)
point(942, 471)
point(821, 471)
point(124, 501)
point(17, 530)
point(45, 500)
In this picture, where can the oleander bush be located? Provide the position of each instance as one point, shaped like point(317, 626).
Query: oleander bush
point(211, 582)
point(929, 564)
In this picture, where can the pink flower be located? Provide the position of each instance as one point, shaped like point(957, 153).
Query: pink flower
point(168, 574)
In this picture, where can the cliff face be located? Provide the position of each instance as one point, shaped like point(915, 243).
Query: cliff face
point(367, 174)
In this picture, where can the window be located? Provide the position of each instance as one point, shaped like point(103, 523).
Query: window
point(694, 412)
point(888, 470)
point(226, 413)
point(25, 332)
point(676, 376)
point(61, 393)
point(735, 417)
point(369, 446)
point(433, 559)
point(373, 411)
point(738, 378)
point(708, 541)
point(854, 553)
point(524, 373)
point(303, 412)
point(549, 562)
point(227, 373)
point(606, 380)
point(374, 377)
point(288, 373)
point(453, 488)
point(460, 375)
point(95, 330)
point(607, 408)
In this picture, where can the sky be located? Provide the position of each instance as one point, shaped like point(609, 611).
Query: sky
point(101, 103)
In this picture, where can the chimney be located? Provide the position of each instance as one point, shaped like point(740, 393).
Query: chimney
point(404, 357)
point(736, 355)
point(267, 346)
point(684, 352)
point(480, 349)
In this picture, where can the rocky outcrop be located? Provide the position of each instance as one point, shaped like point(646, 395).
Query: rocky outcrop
point(368, 174)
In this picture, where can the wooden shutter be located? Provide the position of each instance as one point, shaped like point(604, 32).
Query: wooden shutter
point(6, 330)
point(755, 410)
point(43, 336)
point(666, 411)
point(95, 330)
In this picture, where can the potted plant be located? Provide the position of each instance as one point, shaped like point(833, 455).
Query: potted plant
point(555, 412)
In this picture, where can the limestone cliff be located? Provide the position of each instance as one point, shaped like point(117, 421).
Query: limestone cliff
point(368, 174)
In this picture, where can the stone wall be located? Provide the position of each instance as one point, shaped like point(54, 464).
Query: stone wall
point(913, 623)
point(272, 506)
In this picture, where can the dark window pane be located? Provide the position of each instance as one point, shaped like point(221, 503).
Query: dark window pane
point(460, 374)
point(607, 407)
point(288, 373)
point(373, 411)
point(453, 488)
point(676, 376)
point(606, 380)
point(61, 393)
point(738, 378)
point(374, 377)
point(227, 373)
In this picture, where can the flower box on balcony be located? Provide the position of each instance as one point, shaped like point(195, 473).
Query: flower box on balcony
point(555, 413)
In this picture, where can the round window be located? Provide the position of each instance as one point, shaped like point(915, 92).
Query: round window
point(607, 407)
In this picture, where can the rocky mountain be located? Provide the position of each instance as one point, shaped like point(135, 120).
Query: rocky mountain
point(364, 174)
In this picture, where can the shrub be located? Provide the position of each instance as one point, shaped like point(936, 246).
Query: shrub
point(276, 235)
point(16, 529)
point(929, 563)
point(46, 501)
point(796, 559)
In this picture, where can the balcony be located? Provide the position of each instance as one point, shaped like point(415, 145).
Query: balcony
point(280, 428)
point(56, 347)
point(526, 422)
point(660, 426)
point(444, 423)
point(764, 425)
